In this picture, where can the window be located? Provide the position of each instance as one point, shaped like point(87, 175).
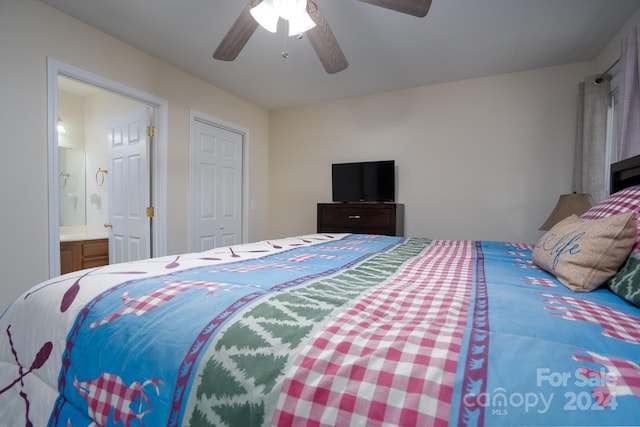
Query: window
point(611, 154)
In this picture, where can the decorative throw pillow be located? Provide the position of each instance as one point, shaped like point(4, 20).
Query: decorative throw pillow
point(626, 283)
point(585, 254)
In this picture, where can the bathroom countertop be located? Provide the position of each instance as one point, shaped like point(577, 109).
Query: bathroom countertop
point(75, 237)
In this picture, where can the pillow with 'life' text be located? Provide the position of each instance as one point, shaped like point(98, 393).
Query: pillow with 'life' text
point(585, 254)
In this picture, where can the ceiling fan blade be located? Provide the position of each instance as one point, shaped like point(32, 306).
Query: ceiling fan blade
point(324, 42)
point(238, 34)
point(417, 8)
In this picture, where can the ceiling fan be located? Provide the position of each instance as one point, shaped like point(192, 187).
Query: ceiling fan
point(320, 36)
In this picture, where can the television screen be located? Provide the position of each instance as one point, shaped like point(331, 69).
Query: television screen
point(363, 181)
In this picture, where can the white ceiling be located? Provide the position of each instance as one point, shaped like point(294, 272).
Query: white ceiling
point(386, 50)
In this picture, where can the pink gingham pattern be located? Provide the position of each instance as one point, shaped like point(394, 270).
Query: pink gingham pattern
point(256, 267)
point(518, 254)
point(622, 377)
point(108, 396)
point(309, 257)
point(620, 202)
point(341, 248)
point(391, 357)
point(143, 304)
point(541, 281)
point(615, 324)
point(519, 246)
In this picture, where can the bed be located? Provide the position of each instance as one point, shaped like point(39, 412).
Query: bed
point(336, 330)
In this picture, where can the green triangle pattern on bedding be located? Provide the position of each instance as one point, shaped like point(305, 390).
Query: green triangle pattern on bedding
point(238, 383)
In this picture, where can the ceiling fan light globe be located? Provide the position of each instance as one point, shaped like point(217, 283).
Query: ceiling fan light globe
point(266, 16)
point(300, 24)
point(289, 9)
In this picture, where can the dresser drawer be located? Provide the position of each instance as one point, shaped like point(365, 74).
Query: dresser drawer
point(357, 218)
point(362, 218)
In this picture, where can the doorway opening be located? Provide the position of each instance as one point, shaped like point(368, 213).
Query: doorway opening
point(86, 105)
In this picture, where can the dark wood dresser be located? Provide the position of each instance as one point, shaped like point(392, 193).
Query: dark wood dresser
point(362, 218)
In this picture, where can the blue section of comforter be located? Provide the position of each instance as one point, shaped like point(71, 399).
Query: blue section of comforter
point(142, 338)
point(555, 357)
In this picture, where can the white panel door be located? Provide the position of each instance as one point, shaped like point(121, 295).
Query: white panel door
point(216, 178)
point(129, 191)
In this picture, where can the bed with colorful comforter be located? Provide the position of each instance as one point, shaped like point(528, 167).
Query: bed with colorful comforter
point(321, 330)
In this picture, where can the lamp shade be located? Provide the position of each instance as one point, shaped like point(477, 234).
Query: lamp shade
point(568, 204)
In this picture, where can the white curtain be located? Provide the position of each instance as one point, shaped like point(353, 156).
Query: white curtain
point(591, 137)
point(629, 96)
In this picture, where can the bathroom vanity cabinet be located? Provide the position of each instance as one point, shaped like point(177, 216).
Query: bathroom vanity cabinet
point(81, 254)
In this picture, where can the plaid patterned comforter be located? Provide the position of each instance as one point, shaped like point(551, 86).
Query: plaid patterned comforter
point(321, 330)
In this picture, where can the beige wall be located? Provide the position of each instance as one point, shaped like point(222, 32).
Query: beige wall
point(29, 33)
point(484, 158)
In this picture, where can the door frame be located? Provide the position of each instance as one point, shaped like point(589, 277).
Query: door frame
point(194, 116)
point(158, 154)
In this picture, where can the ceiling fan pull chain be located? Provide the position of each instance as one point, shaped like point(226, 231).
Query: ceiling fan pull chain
point(285, 54)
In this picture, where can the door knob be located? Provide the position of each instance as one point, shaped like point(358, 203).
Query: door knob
point(108, 225)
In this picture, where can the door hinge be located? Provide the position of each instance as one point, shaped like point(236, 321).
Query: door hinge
point(151, 212)
point(151, 131)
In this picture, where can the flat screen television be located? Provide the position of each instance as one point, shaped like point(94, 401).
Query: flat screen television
point(364, 181)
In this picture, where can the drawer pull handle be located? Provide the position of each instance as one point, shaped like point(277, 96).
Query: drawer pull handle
point(354, 216)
